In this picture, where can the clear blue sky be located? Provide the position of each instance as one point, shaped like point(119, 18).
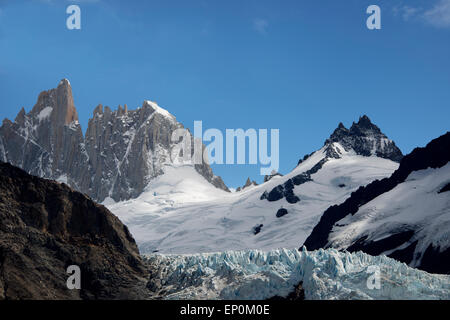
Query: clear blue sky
point(299, 66)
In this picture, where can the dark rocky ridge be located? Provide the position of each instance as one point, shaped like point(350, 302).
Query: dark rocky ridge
point(46, 226)
point(364, 138)
point(436, 154)
point(120, 153)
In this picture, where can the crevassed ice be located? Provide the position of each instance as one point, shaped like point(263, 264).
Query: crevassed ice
point(326, 274)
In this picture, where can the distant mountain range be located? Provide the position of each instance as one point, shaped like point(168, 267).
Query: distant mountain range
point(120, 153)
point(357, 192)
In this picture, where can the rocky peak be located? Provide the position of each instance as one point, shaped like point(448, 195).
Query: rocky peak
point(47, 141)
point(247, 184)
point(58, 104)
point(364, 138)
point(20, 118)
point(98, 110)
point(364, 126)
point(338, 134)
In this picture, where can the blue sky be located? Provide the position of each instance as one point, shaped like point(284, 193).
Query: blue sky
point(298, 66)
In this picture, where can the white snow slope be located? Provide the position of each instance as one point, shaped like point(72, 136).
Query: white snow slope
point(326, 274)
point(412, 205)
point(189, 215)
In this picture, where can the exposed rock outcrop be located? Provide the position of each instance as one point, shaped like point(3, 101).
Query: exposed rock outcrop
point(281, 212)
point(46, 227)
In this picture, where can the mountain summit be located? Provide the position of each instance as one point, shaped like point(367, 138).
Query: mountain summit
point(60, 100)
point(365, 139)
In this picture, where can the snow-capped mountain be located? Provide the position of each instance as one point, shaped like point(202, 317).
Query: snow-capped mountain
point(171, 216)
point(322, 274)
point(120, 154)
point(405, 216)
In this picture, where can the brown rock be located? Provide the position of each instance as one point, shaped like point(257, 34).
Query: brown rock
point(45, 227)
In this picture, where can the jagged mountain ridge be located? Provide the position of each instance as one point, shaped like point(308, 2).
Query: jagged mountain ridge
point(120, 153)
point(366, 139)
point(405, 216)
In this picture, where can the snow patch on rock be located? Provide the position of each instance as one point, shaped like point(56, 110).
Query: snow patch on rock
point(45, 113)
point(158, 109)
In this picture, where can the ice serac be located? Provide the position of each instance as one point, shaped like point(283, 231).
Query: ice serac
point(121, 152)
point(257, 275)
point(405, 216)
point(48, 141)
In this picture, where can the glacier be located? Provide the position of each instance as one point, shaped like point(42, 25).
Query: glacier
point(189, 215)
point(256, 275)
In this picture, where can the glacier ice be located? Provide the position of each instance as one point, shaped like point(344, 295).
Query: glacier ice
point(326, 274)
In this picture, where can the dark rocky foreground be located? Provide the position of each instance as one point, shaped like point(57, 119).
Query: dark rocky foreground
point(46, 226)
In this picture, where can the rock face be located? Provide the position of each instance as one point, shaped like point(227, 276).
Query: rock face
point(45, 227)
point(405, 216)
point(48, 141)
point(120, 153)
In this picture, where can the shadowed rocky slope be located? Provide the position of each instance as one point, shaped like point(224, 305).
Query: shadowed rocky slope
point(45, 227)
